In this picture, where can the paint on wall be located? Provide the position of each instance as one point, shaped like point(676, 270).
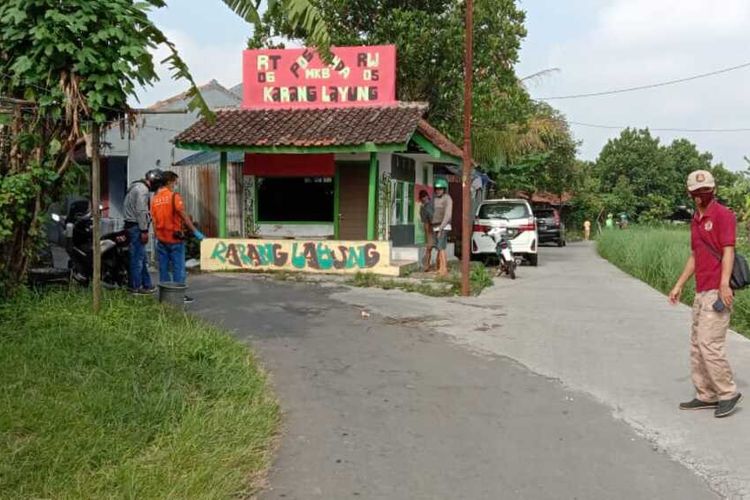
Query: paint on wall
point(317, 256)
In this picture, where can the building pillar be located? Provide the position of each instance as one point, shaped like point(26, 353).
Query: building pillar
point(223, 194)
point(372, 197)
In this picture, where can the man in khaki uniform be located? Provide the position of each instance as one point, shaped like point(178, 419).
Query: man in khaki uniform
point(712, 239)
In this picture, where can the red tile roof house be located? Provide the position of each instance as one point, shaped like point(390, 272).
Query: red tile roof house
point(326, 173)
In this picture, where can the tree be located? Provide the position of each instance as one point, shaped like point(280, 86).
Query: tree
point(635, 165)
point(636, 174)
point(63, 67)
point(429, 37)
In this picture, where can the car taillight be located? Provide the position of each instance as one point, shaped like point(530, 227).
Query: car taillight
point(529, 226)
point(481, 228)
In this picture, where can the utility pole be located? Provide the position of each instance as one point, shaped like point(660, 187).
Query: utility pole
point(96, 284)
point(467, 163)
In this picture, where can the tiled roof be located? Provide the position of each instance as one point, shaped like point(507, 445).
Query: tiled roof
point(545, 197)
point(352, 126)
point(438, 139)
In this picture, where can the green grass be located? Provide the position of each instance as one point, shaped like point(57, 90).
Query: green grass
point(657, 255)
point(138, 402)
point(479, 279)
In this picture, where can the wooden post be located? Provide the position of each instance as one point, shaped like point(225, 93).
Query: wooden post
point(372, 192)
point(336, 203)
point(96, 284)
point(467, 163)
point(223, 194)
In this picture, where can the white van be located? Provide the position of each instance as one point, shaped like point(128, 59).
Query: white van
point(514, 215)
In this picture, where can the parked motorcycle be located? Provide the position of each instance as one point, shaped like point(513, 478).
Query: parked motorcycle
point(507, 261)
point(78, 234)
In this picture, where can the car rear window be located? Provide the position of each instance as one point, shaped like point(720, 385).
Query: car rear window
point(503, 210)
point(545, 213)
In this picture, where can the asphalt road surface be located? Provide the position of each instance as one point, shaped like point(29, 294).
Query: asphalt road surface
point(398, 406)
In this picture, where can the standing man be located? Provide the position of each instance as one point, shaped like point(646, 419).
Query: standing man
point(441, 223)
point(426, 211)
point(712, 239)
point(610, 222)
point(170, 218)
point(586, 229)
point(137, 222)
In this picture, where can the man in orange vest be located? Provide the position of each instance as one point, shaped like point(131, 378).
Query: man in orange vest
point(169, 217)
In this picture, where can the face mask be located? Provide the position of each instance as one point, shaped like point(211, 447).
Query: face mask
point(705, 198)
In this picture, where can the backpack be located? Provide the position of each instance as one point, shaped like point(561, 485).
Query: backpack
point(740, 271)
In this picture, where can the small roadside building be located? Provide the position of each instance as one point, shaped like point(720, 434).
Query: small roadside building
point(332, 164)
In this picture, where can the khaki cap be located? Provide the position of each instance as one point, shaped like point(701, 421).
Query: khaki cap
point(700, 179)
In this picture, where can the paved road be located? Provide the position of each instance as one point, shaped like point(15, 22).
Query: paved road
point(581, 321)
point(403, 405)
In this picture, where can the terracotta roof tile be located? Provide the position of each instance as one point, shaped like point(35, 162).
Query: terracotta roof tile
point(392, 124)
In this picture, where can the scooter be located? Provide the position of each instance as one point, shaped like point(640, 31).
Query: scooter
point(504, 251)
point(78, 231)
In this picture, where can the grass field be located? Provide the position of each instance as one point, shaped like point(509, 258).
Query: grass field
point(138, 402)
point(656, 255)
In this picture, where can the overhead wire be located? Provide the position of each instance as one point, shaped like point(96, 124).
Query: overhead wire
point(647, 86)
point(572, 96)
point(662, 129)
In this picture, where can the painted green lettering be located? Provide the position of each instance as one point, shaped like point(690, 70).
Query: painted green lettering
point(325, 258)
point(298, 260)
point(218, 253)
point(353, 259)
point(243, 255)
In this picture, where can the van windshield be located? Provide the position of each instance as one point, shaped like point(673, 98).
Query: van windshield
point(503, 210)
point(545, 213)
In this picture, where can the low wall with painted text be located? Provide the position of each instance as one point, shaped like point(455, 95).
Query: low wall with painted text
point(317, 256)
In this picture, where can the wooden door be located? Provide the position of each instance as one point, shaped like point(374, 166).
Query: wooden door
point(353, 190)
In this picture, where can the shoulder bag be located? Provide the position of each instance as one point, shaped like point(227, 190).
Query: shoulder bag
point(740, 271)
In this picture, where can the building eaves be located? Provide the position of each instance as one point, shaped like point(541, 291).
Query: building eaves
point(306, 127)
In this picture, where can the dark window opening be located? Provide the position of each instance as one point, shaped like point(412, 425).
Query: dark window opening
point(295, 199)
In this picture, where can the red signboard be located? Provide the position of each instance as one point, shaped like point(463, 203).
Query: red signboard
point(289, 165)
point(296, 78)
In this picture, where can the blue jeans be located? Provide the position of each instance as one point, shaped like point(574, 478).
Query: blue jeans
point(174, 254)
point(138, 276)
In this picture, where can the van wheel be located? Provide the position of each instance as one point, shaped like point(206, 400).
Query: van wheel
point(534, 259)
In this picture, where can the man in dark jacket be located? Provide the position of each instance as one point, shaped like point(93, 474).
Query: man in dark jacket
point(137, 223)
point(426, 211)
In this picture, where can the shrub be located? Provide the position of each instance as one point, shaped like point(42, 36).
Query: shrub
point(657, 255)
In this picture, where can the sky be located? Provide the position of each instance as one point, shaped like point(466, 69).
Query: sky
point(593, 45)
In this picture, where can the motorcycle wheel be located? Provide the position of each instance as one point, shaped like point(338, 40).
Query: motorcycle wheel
point(512, 270)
